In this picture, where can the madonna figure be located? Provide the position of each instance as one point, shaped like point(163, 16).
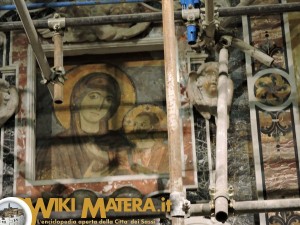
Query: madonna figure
point(88, 148)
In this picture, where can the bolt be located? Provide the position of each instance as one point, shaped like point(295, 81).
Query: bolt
point(56, 27)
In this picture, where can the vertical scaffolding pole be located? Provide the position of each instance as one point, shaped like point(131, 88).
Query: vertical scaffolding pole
point(172, 97)
point(210, 18)
point(57, 38)
point(221, 198)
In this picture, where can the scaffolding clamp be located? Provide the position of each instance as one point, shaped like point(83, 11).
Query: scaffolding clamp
point(229, 195)
point(204, 22)
point(212, 192)
point(180, 205)
point(57, 25)
point(226, 41)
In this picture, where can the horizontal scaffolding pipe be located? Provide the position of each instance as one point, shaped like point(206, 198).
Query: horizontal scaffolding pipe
point(266, 206)
point(38, 5)
point(89, 21)
point(156, 17)
point(244, 207)
point(259, 10)
point(204, 209)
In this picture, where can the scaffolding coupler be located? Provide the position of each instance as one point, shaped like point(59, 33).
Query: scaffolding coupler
point(191, 13)
point(201, 22)
point(214, 195)
point(180, 205)
point(57, 25)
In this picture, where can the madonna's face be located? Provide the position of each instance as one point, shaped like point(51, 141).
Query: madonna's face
point(95, 105)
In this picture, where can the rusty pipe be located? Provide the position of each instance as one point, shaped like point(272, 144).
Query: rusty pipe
point(221, 198)
point(172, 98)
point(58, 95)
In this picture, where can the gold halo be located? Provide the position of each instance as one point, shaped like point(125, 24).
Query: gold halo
point(128, 123)
point(128, 95)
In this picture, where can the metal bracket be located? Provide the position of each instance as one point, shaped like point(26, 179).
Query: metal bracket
point(229, 195)
point(180, 205)
point(190, 14)
point(57, 23)
point(216, 18)
point(58, 75)
point(226, 41)
point(221, 194)
point(212, 193)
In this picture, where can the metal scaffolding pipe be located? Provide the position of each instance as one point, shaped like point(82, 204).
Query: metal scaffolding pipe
point(221, 196)
point(156, 17)
point(38, 5)
point(172, 98)
point(33, 38)
point(203, 209)
point(259, 10)
point(209, 11)
point(90, 21)
point(255, 206)
point(34, 41)
point(253, 52)
point(223, 12)
point(57, 38)
point(266, 206)
point(227, 21)
point(209, 19)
